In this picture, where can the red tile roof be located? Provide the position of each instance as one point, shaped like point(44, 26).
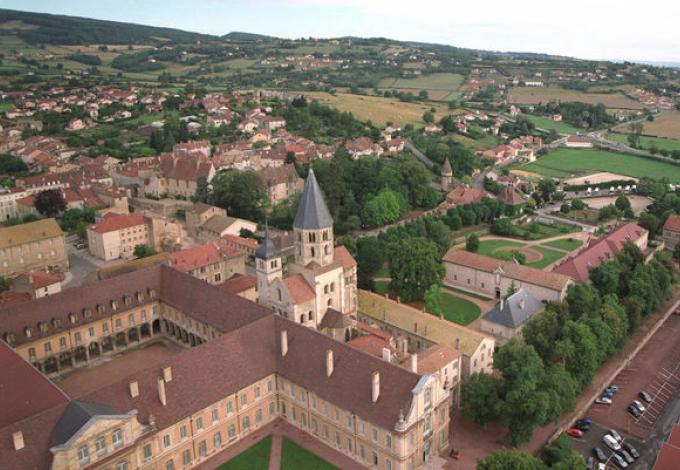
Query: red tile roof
point(112, 222)
point(462, 195)
point(299, 289)
point(40, 279)
point(435, 357)
point(239, 283)
point(472, 260)
point(370, 344)
point(344, 257)
point(194, 257)
point(672, 223)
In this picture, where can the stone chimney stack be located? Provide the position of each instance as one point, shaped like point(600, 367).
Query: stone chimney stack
point(414, 363)
point(386, 355)
point(134, 389)
point(375, 386)
point(284, 342)
point(161, 391)
point(329, 363)
point(18, 439)
point(167, 374)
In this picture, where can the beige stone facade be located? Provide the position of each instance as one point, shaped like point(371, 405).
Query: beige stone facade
point(35, 246)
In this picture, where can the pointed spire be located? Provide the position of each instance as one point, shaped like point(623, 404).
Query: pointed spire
point(312, 212)
point(267, 249)
point(446, 168)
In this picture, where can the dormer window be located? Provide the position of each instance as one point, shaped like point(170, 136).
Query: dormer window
point(140, 297)
point(152, 293)
point(72, 318)
point(87, 313)
point(28, 332)
point(100, 308)
point(42, 326)
point(56, 323)
point(114, 305)
point(9, 338)
point(128, 300)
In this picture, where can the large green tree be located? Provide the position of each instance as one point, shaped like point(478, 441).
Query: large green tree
point(414, 266)
point(242, 193)
point(510, 459)
point(480, 398)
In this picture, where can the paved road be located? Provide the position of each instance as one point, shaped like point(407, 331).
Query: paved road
point(80, 267)
point(418, 154)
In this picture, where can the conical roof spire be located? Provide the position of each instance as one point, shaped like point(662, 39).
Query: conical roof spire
point(312, 212)
point(446, 168)
point(267, 249)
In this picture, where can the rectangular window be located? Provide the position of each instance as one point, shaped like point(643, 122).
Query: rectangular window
point(215, 415)
point(269, 386)
point(325, 432)
point(375, 434)
point(147, 452)
point(105, 328)
point(244, 400)
point(258, 416)
point(257, 392)
point(362, 452)
point(337, 439)
point(62, 343)
point(388, 441)
point(349, 420)
point(117, 438)
point(272, 408)
point(337, 415)
point(199, 423)
point(186, 457)
point(362, 428)
point(31, 354)
point(313, 400)
point(90, 332)
point(202, 449)
point(100, 445)
point(230, 408)
point(231, 432)
point(166, 441)
point(83, 456)
point(315, 429)
point(388, 464)
point(349, 445)
point(183, 431)
point(375, 459)
point(246, 423)
point(217, 440)
point(77, 338)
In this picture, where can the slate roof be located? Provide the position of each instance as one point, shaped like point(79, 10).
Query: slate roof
point(515, 310)
point(76, 414)
point(267, 249)
point(312, 212)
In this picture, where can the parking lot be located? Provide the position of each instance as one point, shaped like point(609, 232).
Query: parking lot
point(655, 369)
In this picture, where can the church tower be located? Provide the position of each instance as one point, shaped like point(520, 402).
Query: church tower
point(267, 266)
point(313, 227)
point(447, 175)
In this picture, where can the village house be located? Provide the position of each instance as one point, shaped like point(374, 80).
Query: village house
point(507, 318)
point(212, 262)
point(282, 182)
point(363, 147)
point(577, 141)
point(34, 246)
point(38, 283)
point(671, 231)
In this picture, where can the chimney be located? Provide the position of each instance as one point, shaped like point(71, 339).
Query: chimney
point(167, 374)
point(284, 342)
point(375, 386)
point(329, 363)
point(502, 302)
point(161, 391)
point(134, 389)
point(457, 344)
point(414, 363)
point(387, 355)
point(18, 438)
point(521, 304)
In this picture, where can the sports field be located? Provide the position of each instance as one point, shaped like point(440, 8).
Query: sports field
point(526, 95)
point(562, 163)
point(545, 123)
point(440, 86)
point(647, 142)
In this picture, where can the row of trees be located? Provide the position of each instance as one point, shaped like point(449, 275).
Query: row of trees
point(566, 343)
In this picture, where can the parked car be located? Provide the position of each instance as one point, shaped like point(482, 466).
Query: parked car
point(619, 461)
point(631, 450)
point(611, 442)
point(599, 454)
point(79, 245)
point(608, 393)
point(590, 463)
point(629, 458)
point(644, 396)
point(639, 405)
point(613, 433)
point(603, 401)
point(574, 432)
point(586, 421)
point(613, 387)
point(632, 409)
point(582, 426)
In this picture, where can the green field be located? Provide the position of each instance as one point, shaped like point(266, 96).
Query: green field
point(490, 247)
point(568, 244)
point(545, 123)
point(646, 142)
point(549, 257)
point(564, 162)
point(455, 309)
point(441, 86)
point(295, 457)
point(253, 458)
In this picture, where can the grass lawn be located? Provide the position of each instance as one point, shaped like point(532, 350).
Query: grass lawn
point(545, 123)
point(565, 162)
point(549, 257)
point(464, 292)
point(253, 458)
point(384, 271)
point(568, 244)
point(488, 247)
point(536, 231)
point(5, 106)
point(646, 142)
point(455, 309)
point(295, 457)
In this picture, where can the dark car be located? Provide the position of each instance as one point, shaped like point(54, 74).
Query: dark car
point(629, 458)
point(644, 396)
point(631, 450)
point(599, 455)
point(619, 461)
point(590, 463)
point(586, 421)
point(582, 426)
point(632, 409)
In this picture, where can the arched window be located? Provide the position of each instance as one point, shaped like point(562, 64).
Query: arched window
point(312, 251)
point(302, 318)
point(330, 302)
point(310, 315)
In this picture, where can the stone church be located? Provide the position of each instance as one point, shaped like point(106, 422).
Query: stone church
point(319, 288)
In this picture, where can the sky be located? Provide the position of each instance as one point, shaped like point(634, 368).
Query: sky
point(589, 29)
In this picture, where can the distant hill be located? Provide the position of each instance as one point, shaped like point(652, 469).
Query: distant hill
point(43, 28)
point(240, 36)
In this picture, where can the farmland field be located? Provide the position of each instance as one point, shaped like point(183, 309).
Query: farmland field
point(528, 95)
point(379, 110)
point(647, 142)
point(440, 86)
point(545, 123)
point(562, 163)
point(665, 125)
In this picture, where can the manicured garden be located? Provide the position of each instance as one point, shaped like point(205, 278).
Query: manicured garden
point(563, 162)
point(568, 244)
point(295, 457)
point(491, 247)
point(536, 256)
point(253, 458)
point(549, 257)
point(455, 309)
